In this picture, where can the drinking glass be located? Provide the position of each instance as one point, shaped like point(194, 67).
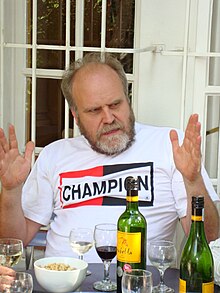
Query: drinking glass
point(137, 281)
point(81, 240)
point(22, 283)
point(105, 236)
point(10, 251)
point(162, 254)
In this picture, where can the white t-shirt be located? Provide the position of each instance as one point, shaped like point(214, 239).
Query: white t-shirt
point(83, 188)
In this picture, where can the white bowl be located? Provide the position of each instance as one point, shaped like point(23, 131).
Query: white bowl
point(60, 281)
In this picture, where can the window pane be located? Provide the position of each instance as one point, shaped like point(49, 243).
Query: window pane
point(49, 111)
point(51, 27)
point(92, 23)
point(212, 135)
point(215, 30)
point(28, 109)
point(50, 59)
point(214, 71)
point(214, 74)
point(120, 23)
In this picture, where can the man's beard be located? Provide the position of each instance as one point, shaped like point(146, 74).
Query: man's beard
point(113, 144)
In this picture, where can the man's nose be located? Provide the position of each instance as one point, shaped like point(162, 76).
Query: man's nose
point(108, 116)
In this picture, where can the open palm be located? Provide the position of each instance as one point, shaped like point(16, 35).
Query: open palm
point(187, 157)
point(14, 167)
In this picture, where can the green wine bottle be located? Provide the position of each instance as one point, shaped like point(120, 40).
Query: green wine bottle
point(131, 234)
point(196, 264)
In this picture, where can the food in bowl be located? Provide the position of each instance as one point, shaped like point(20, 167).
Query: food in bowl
point(58, 267)
point(58, 281)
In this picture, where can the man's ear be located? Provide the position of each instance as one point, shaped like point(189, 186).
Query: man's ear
point(74, 115)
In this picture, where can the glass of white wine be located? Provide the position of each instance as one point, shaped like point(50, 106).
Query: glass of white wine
point(81, 241)
point(10, 251)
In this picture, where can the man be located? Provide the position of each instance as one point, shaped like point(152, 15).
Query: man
point(81, 180)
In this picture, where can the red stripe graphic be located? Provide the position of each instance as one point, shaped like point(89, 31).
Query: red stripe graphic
point(95, 172)
point(90, 202)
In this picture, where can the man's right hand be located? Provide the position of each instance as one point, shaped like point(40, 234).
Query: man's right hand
point(14, 167)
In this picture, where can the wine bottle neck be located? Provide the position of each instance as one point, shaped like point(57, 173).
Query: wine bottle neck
point(132, 199)
point(197, 225)
point(197, 214)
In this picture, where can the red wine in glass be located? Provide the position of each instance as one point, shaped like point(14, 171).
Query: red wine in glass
point(105, 236)
point(106, 252)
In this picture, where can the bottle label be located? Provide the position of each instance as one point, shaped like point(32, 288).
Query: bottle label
point(129, 247)
point(182, 286)
point(206, 287)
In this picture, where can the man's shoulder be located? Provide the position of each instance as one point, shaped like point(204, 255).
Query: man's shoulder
point(65, 147)
point(66, 142)
point(141, 127)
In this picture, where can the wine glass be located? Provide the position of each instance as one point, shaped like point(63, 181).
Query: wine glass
point(137, 281)
point(81, 240)
point(105, 236)
point(10, 251)
point(162, 254)
point(23, 282)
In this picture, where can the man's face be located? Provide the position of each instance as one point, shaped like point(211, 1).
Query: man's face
point(104, 115)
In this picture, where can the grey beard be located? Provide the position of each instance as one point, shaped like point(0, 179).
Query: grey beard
point(110, 148)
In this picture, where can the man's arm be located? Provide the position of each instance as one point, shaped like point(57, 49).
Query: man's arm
point(14, 169)
point(187, 158)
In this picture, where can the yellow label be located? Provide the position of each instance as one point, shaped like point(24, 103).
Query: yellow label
point(196, 218)
point(182, 286)
point(132, 198)
point(206, 287)
point(129, 247)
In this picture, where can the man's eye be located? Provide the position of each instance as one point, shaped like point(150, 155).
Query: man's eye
point(115, 105)
point(96, 110)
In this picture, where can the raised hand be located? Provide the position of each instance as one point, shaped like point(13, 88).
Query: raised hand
point(14, 167)
point(187, 157)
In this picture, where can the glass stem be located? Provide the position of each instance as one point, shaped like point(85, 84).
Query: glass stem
point(161, 278)
point(106, 270)
point(81, 256)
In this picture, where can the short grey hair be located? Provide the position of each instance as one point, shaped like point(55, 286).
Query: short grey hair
point(69, 74)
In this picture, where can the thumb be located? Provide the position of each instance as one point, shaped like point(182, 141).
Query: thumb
point(174, 139)
point(29, 150)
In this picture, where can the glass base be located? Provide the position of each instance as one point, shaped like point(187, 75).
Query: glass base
point(162, 289)
point(105, 286)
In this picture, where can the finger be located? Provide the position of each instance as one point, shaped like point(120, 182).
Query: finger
point(7, 280)
point(192, 132)
point(191, 125)
point(29, 150)
point(174, 139)
point(13, 143)
point(2, 153)
point(3, 141)
point(7, 271)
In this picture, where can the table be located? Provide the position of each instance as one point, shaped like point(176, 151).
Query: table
point(171, 278)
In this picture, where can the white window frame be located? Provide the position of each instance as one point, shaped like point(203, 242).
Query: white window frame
point(193, 94)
